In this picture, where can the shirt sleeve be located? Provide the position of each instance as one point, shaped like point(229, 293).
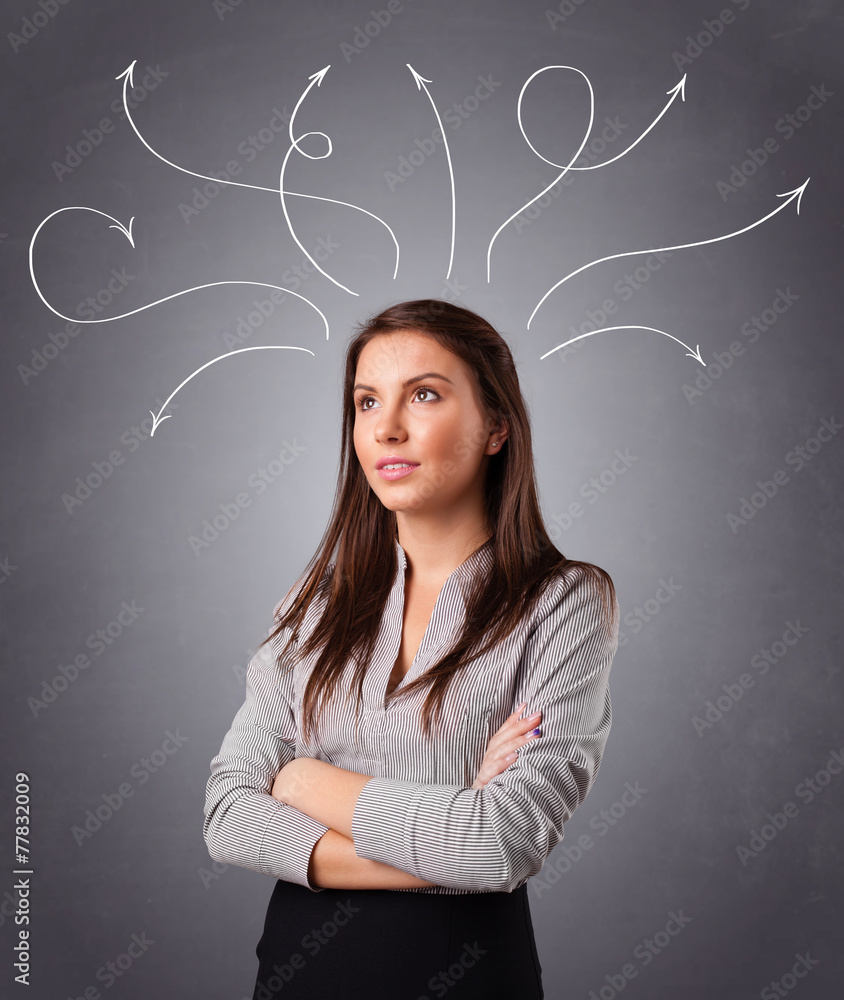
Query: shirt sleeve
point(244, 825)
point(494, 838)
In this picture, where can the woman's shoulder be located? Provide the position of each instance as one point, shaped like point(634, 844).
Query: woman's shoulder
point(576, 588)
point(287, 602)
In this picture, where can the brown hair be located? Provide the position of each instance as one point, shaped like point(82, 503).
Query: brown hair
point(363, 530)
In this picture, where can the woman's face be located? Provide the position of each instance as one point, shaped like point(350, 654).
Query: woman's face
point(433, 422)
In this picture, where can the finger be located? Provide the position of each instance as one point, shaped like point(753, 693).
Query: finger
point(512, 727)
point(507, 749)
point(512, 731)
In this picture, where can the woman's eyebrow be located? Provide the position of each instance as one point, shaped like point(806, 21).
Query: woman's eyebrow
point(409, 381)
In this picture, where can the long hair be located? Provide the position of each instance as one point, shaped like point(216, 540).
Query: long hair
point(362, 531)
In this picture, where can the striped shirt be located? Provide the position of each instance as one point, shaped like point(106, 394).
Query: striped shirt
point(418, 812)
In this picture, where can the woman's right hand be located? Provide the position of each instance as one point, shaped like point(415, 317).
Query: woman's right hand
point(501, 749)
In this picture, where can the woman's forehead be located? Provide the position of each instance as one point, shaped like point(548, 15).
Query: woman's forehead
point(397, 356)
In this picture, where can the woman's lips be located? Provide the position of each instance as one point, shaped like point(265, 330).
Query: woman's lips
point(396, 473)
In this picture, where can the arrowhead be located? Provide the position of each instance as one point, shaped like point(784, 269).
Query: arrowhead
point(319, 77)
point(128, 72)
point(796, 193)
point(697, 356)
point(126, 232)
point(681, 87)
point(156, 422)
point(419, 79)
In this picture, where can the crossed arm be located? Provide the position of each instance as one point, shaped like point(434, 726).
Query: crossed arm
point(328, 794)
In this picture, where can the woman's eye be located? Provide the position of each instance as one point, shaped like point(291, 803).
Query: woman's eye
point(361, 404)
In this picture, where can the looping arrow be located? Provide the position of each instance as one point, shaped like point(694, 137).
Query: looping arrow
point(503, 225)
point(679, 90)
point(316, 79)
point(127, 232)
point(128, 81)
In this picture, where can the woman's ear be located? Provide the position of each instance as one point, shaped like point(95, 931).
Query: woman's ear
point(502, 429)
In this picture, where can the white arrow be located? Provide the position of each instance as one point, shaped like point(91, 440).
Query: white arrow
point(790, 196)
point(692, 353)
point(317, 79)
point(576, 155)
point(420, 82)
point(128, 234)
point(127, 76)
point(156, 420)
point(678, 90)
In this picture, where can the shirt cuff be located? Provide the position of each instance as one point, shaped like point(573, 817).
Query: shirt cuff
point(279, 851)
point(381, 814)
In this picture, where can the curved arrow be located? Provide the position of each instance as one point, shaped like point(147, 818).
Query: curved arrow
point(156, 420)
point(556, 180)
point(317, 79)
point(692, 353)
point(679, 90)
point(788, 195)
point(128, 80)
point(420, 82)
point(128, 234)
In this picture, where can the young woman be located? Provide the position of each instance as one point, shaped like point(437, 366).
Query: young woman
point(381, 769)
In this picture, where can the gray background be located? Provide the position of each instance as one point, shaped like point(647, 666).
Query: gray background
point(178, 667)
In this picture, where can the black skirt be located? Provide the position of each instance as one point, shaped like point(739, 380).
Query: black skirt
point(346, 944)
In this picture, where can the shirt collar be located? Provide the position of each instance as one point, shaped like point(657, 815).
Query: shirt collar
point(479, 562)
